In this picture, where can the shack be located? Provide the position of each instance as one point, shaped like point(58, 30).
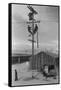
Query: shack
point(44, 60)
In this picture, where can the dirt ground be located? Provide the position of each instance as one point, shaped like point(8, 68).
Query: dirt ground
point(24, 76)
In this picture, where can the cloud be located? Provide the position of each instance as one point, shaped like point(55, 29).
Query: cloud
point(54, 42)
point(48, 31)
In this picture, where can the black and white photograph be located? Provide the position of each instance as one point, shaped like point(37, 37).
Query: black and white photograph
point(34, 44)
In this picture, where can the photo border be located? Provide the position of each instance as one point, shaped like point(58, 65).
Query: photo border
point(10, 43)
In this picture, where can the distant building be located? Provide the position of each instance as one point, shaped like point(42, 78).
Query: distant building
point(20, 58)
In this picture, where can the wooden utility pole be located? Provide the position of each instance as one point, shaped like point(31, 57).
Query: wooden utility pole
point(32, 32)
point(32, 46)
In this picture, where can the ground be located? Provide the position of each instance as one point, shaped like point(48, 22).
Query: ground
point(25, 76)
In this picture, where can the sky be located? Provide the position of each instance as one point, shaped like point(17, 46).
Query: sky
point(47, 28)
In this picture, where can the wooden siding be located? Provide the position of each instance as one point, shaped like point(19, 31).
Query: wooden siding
point(40, 60)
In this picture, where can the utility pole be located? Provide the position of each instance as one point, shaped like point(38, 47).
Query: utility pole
point(32, 46)
point(32, 30)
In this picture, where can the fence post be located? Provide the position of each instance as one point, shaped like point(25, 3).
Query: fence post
point(16, 75)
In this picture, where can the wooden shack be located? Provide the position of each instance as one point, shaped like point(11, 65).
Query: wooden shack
point(43, 59)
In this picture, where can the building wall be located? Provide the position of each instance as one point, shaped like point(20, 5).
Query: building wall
point(40, 60)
